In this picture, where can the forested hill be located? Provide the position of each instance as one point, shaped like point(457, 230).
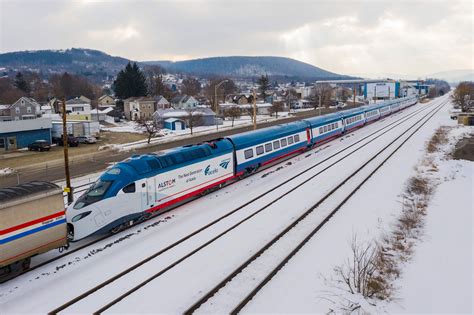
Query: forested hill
point(242, 66)
point(99, 65)
point(87, 62)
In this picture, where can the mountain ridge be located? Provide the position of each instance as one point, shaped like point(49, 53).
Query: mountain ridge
point(90, 62)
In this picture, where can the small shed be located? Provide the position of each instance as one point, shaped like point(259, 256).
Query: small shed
point(174, 124)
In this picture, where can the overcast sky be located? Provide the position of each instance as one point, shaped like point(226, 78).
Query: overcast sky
point(348, 37)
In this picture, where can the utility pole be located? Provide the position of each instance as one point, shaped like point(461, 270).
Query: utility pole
point(320, 100)
point(216, 105)
point(254, 110)
point(68, 188)
point(389, 92)
point(375, 93)
point(354, 95)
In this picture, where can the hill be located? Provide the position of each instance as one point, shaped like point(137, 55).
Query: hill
point(98, 65)
point(87, 62)
point(454, 76)
point(245, 67)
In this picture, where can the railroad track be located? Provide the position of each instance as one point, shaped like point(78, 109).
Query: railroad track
point(84, 187)
point(230, 287)
point(157, 254)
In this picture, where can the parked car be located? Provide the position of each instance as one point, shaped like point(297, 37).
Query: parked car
point(71, 141)
point(87, 139)
point(39, 145)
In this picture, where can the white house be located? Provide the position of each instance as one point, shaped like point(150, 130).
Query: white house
point(184, 102)
point(78, 109)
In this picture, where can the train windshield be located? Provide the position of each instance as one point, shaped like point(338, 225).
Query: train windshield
point(95, 193)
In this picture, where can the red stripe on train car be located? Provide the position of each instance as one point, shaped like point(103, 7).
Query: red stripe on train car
point(26, 224)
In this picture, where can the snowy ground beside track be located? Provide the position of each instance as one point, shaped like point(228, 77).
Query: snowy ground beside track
point(71, 276)
point(440, 277)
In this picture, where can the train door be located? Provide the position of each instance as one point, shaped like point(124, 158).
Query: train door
point(148, 193)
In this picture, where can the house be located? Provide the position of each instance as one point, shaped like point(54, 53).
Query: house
point(17, 134)
point(78, 109)
point(136, 108)
point(23, 109)
point(184, 102)
point(162, 102)
point(106, 101)
point(174, 124)
point(240, 99)
point(208, 117)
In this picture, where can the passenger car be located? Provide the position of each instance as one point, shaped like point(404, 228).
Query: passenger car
point(87, 139)
point(39, 145)
point(71, 141)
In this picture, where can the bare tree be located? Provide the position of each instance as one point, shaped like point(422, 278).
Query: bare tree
point(193, 119)
point(276, 108)
point(323, 92)
point(191, 86)
point(148, 127)
point(361, 272)
point(463, 93)
point(233, 113)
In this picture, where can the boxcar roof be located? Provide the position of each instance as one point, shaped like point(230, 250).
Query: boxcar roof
point(25, 190)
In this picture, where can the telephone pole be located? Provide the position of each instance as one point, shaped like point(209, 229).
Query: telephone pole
point(254, 110)
point(68, 188)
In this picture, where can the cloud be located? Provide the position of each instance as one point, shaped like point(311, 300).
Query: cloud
point(408, 37)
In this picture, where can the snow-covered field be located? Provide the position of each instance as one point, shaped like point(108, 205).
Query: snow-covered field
point(299, 287)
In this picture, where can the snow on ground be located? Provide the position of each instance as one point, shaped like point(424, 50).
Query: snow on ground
point(6, 171)
point(368, 215)
point(73, 275)
point(440, 277)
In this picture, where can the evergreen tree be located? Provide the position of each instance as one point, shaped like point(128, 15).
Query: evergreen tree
point(21, 84)
point(130, 82)
point(263, 85)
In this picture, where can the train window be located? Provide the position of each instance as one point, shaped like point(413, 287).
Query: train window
point(283, 142)
point(276, 145)
point(268, 147)
point(290, 140)
point(320, 130)
point(297, 138)
point(259, 149)
point(130, 188)
point(248, 153)
point(325, 128)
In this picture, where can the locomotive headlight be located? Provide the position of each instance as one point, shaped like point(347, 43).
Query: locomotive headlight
point(80, 216)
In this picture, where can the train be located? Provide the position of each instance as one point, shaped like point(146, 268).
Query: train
point(34, 219)
point(145, 185)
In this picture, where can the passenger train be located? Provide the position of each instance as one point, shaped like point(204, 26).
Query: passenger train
point(143, 185)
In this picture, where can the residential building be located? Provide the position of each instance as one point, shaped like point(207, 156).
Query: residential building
point(162, 102)
point(106, 101)
point(136, 108)
point(17, 134)
point(208, 117)
point(23, 109)
point(184, 102)
point(78, 109)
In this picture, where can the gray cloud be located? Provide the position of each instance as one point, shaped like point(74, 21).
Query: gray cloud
point(408, 37)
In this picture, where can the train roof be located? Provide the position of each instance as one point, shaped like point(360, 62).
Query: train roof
point(137, 165)
point(249, 138)
point(26, 190)
point(352, 112)
point(323, 119)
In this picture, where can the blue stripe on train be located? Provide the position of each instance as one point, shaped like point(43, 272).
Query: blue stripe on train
point(35, 230)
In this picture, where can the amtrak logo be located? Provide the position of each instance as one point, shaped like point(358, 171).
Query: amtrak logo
point(209, 171)
point(225, 163)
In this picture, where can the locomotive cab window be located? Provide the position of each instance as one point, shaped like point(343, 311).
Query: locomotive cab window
point(259, 149)
point(130, 188)
point(95, 193)
point(268, 147)
point(248, 153)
